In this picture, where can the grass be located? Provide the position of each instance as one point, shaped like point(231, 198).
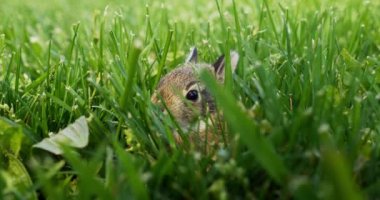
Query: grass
point(302, 111)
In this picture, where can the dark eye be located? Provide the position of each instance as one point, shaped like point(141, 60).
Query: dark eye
point(192, 95)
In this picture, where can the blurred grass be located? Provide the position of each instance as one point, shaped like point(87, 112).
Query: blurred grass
point(302, 112)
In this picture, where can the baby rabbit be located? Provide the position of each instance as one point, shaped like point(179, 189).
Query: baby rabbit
point(186, 97)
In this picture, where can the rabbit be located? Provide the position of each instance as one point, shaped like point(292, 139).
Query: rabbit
point(187, 99)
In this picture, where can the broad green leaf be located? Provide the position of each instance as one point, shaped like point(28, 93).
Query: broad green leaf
point(17, 178)
point(11, 136)
point(75, 135)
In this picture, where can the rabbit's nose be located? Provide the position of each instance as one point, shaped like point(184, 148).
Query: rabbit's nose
point(154, 99)
point(164, 111)
point(160, 107)
point(157, 104)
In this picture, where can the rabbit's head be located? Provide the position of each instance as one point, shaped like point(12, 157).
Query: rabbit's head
point(184, 95)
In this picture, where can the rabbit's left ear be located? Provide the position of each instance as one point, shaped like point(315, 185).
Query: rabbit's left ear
point(193, 56)
point(220, 63)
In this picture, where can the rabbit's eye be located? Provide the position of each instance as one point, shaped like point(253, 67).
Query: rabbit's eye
point(192, 95)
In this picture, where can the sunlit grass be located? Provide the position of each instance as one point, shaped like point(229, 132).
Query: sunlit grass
point(302, 110)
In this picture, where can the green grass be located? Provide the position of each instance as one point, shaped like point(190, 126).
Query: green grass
point(302, 112)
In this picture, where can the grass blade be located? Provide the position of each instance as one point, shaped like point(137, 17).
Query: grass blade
point(242, 124)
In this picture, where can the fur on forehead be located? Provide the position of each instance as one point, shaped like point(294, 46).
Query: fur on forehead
point(183, 74)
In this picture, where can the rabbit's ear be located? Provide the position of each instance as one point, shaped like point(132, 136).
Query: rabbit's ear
point(193, 56)
point(220, 63)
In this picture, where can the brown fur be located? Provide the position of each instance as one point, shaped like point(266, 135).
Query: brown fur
point(172, 89)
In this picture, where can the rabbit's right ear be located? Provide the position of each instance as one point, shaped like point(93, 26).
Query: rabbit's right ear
point(220, 63)
point(193, 56)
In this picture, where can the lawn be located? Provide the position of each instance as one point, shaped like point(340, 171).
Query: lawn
point(302, 111)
